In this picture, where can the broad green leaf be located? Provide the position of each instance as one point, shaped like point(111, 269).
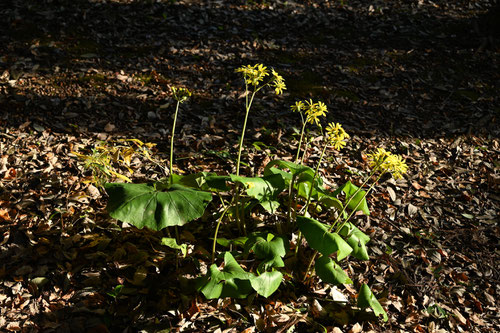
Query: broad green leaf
point(329, 271)
point(264, 189)
point(172, 243)
point(266, 283)
point(240, 241)
point(232, 268)
point(329, 200)
point(143, 205)
point(206, 181)
point(367, 299)
point(236, 288)
point(318, 237)
point(287, 176)
point(303, 176)
point(295, 169)
point(268, 248)
point(212, 288)
point(349, 189)
point(232, 281)
point(357, 240)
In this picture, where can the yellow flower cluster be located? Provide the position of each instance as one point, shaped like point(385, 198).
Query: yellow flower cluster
point(180, 94)
point(253, 74)
point(388, 162)
point(313, 111)
point(278, 83)
point(336, 135)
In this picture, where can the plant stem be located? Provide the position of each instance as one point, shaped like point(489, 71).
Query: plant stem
point(290, 202)
point(314, 178)
point(305, 150)
point(350, 199)
point(299, 240)
point(359, 203)
point(177, 237)
point(354, 195)
point(172, 143)
point(301, 137)
point(248, 105)
point(217, 232)
point(310, 264)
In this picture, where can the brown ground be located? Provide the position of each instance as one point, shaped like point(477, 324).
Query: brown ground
point(419, 78)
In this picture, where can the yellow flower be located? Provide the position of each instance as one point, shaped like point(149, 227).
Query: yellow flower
point(253, 74)
point(314, 111)
point(336, 135)
point(278, 82)
point(388, 162)
point(377, 158)
point(396, 165)
point(180, 94)
point(298, 106)
point(321, 108)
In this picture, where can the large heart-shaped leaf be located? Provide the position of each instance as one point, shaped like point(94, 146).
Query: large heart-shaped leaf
point(367, 299)
point(266, 283)
point(356, 239)
point(264, 189)
point(232, 281)
point(143, 205)
point(329, 271)
point(268, 248)
point(357, 200)
point(318, 237)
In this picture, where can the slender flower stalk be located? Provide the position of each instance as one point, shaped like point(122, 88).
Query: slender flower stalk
point(217, 232)
point(172, 142)
point(253, 76)
point(248, 105)
point(314, 178)
point(180, 95)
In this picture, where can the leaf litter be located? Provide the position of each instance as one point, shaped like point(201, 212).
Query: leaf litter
point(400, 75)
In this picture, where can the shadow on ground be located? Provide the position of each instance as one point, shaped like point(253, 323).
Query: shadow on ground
point(388, 70)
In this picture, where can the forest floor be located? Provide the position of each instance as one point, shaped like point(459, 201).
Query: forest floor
point(418, 78)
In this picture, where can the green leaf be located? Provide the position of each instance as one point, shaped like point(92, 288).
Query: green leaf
point(116, 291)
point(303, 176)
point(295, 169)
point(143, 205)
point(367, 299)
point(264, 189)
point(329, 271)
point(270, 249)
point(172, 243)
point(232, 281)
point(318, 237)
point(357, 240)
point(206, 181)
point(266, 283)
point(329, 200)
point(287, 176)
point(349, 189)
point(240, 241)
point(212, 288)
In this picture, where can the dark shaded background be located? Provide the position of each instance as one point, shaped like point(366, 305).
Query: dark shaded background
point(394, 68)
